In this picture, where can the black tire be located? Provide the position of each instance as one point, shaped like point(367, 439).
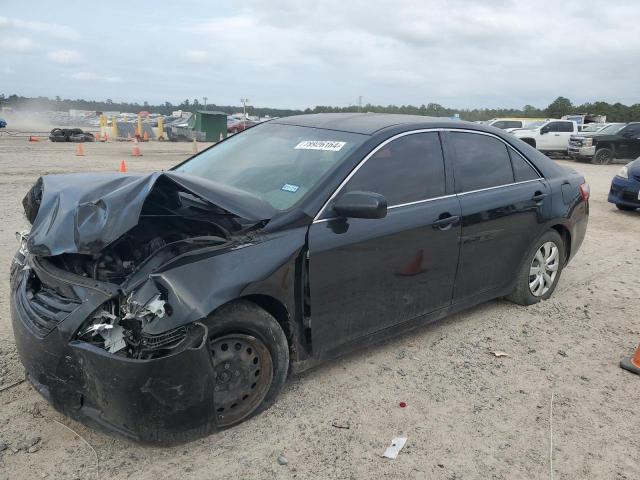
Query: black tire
point(625, 208)
point(603, 156)
point(522, 294)
point(245, 320)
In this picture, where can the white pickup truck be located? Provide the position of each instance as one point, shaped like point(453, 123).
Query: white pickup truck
point(551, 136)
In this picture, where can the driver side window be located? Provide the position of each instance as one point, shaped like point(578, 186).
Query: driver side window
point(408, 169)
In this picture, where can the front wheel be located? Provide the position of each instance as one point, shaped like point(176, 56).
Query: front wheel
point(540, 272)
point(250, 357)
point(603, 156)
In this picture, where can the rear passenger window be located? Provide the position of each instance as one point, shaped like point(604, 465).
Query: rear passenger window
point(522, 171)
point(565, 127)
point(481, 162)
point(405, 170)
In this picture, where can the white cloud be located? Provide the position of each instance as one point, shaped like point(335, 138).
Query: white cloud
point(19, 45)
point(299, 53)
point(65, 57)
point(8, 70)
point(455, 52)
point(92, 77)
point(53, 29)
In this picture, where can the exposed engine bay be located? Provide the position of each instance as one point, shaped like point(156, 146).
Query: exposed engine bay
point(172, 222)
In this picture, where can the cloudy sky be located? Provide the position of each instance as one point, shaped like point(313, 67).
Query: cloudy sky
point(300, 53)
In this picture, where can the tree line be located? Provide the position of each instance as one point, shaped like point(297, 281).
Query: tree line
point(616, 112)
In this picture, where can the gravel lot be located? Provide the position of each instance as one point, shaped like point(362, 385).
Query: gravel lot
point(469, 414)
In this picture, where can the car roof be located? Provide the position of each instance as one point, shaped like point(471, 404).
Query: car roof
point(364, 123)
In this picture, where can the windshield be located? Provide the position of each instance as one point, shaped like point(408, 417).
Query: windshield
point(533, 125)
point(594, 127)
point(278, 163)
point(613, 128)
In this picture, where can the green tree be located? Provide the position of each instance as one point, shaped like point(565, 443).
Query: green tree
point(559, 107)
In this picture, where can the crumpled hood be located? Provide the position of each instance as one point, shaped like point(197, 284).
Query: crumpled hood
point(85, 212)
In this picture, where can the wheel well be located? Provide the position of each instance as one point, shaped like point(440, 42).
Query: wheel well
point(600, 146)
point(566, 238)
point(529, 141)
point(278, 311)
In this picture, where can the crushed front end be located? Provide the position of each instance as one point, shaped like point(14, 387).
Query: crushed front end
point(109, 343)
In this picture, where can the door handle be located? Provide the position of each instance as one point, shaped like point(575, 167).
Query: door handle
point(445, 222)
point(539, 196)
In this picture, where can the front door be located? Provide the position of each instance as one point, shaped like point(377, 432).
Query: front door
point(629, 144)
point(369, 274)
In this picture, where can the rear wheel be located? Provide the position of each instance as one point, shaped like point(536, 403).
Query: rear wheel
point(603, 156)
point(540, 272)
point(250, 357)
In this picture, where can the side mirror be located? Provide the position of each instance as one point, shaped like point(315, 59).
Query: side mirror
point(544, 130)
point(358, 204)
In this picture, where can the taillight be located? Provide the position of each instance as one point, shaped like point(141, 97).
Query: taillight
point(585, 191)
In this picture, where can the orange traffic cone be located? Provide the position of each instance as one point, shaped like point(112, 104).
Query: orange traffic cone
point(135, 151)
point(195, 147)
point(632, 363)
point(79, 150)
point(106, 137)
point(414, 266)
point(123, 167)
point(145, 137)
point(33, 138)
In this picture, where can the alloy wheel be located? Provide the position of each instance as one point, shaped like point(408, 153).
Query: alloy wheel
point(603, 157)
point(243, 371)
point(544, 269)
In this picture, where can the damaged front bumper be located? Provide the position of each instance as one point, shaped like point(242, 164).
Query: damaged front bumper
point(164, 400)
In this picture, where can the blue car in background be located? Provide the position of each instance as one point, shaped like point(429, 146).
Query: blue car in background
point(625, 187)
point(3, 123)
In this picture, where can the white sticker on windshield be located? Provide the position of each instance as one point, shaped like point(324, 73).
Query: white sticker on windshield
point(287, 187)
point(327, 145)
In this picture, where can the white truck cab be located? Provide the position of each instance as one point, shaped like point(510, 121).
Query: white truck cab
point(551, 136)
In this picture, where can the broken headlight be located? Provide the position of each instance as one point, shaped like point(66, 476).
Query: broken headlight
point(119, 329)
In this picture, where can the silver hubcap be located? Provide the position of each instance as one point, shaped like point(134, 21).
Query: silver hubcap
point(544, 269)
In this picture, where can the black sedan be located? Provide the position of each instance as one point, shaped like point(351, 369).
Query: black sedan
point(165, 306)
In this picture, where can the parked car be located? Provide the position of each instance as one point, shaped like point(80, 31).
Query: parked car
point(240, 125)
point(169, 305)
point(510, 124)
point(625, 187)
point(591, 127)
point(618, 140)
point(551, 136)
point(3, 123)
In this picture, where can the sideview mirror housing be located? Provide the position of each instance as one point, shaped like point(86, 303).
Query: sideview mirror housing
point(544, 130)
point(358, 204)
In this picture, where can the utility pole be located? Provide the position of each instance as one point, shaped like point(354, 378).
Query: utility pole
point(244, 110)
point(360, 103)
point(205, 102)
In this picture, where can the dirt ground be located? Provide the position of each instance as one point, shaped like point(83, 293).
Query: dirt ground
point(468, 414)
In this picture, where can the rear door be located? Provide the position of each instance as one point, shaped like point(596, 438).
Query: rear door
point(369, 274)
point(562, 136)
point(502, 198)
